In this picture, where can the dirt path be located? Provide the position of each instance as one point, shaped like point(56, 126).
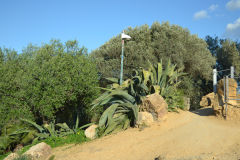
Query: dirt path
point(184, 136)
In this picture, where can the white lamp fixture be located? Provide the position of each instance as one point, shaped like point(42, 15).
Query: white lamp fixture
point(124, 36)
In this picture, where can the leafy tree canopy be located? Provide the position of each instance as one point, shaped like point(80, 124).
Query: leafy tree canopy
point(160, 41)
point(227, 53)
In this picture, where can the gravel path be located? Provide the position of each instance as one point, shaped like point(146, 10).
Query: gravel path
point(182, 136)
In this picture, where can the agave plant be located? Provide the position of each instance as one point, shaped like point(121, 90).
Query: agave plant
point(121, 110)
point(168, 80)
point(13, 134)
point(121, 100)
point(48, 130)
point(121, 104)
point(165, 81)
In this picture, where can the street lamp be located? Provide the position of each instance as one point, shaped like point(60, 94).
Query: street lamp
point(123, 37)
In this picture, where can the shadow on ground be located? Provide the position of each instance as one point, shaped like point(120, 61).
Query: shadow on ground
point(204, 112)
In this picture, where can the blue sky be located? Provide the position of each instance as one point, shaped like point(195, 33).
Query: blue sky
point(93, 22)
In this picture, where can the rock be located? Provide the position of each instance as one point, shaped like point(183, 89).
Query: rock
point(207, 100)
point(218, 105)
point(40, 151)
point(18, 147)
point(11, 156)
point(233, 113)
point(156, 105)
point(145, 118)
point(90, 132)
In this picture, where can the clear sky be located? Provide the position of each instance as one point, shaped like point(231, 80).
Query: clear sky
point(93, 22)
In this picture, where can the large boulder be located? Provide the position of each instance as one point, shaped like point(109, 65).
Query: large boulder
point(145, 118)
point(207, 100)
point(91, 132)
point(41, 151)
point(156, 105)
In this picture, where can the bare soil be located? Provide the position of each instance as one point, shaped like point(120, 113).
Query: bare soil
point(182, 136)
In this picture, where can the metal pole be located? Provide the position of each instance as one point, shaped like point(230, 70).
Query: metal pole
point(232, 72)
point(226, 103)
point(121, 73)
point(224, 89)
point(215, 81)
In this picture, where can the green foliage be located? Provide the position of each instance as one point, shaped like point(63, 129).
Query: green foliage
point(30, 132)
point(52, 157)
point(160, 41)
point(50, 130)
point(226, 53)
point(76, 138)
point(121, 111)
point(79, 137)
point(2, 156)
point(54, 81)
point(165, 81)
point(121, 100)
point(13, 134)
point(228, 56)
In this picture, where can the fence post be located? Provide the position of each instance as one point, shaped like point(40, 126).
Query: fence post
point(227, 93)
point(232, 72)
point(215, 81)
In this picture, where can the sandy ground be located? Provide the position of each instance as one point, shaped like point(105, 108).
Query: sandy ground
point(182, 136)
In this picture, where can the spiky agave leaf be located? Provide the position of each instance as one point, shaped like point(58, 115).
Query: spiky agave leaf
point(107, 114)
point(63, 126)
point(117, 124)
point(159, 72)
point(146, 75)
point(38, 127)
point(18, 132)
point(112, 80)
point(42, 135)
point(86, 125)
point(118, 116)
point(108, 97)
point(153, 71)
point(51, 129)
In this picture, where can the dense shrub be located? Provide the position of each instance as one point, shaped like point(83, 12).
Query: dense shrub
point(160, 41)
point(47, 82)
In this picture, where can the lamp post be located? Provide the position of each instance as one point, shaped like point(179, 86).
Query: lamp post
point(123, 37)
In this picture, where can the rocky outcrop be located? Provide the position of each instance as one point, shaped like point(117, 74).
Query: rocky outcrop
point(156, 105)
point(216, 101)
point(207, 100)
point(145, 118)
point(90, 132)
point(40, 151)
point(232, 91)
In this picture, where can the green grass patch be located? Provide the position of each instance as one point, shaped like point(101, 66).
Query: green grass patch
point(4, 155)
point(77, 138)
